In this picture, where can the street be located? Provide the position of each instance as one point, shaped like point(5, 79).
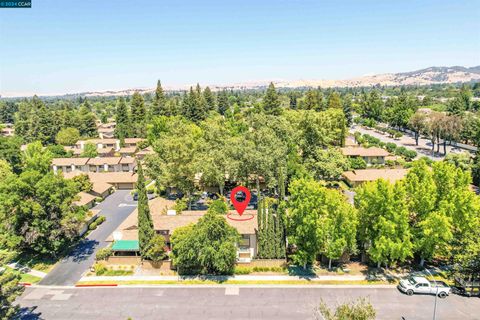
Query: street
point(424, 148)
point(116, 208)
point(230, 302)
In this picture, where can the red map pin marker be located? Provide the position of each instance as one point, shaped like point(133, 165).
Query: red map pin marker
point(240, 206)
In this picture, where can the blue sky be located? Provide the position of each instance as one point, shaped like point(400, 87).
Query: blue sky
point(74, 46)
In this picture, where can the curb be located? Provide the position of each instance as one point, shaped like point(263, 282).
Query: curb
point(96, 285)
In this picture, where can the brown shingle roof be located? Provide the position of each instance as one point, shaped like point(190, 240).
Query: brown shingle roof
point(100, 187)
point(127, 160)
point(364, 152)
point(104, 160)
point(108, 177)
point(134, 140)
point(69, 161)
point(85, 198)
point(130, 150)
point(391, 175)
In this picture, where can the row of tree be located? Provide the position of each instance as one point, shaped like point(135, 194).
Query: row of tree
point(431, 214)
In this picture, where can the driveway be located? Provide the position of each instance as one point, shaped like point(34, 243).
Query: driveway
point(230, 302)
point(116, 208)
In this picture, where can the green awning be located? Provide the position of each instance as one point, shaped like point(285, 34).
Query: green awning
point(126, 245)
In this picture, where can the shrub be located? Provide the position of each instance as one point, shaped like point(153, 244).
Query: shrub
point(180, 205)
point(397, 134)
point(98, 199)
point(357, 163)
point(410, 154)
point(100, 268)
point(103, 254)
point(96, 223)
point(242, 270)
point(156, 249)
point(391, 147)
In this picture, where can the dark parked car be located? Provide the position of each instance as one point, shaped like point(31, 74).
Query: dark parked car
point(135, 196)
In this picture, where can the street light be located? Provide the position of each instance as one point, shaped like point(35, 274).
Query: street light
point(436, 294)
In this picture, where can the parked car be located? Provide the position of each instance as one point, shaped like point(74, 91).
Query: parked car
point(422, 285)
point(174, 196)
point(135, 196)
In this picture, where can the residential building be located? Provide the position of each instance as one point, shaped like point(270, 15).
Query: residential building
point(99, 164)
point(357, 177)
point(373, 155)
point(69, 164)
point(119, 180)
point(100, 143)
point(112, 164)
point(86, 200)
point(101, 189)
point(165, 223)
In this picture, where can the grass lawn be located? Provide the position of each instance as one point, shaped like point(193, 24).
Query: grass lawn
point(44, 264)
point(236, 282)
point(25, 277)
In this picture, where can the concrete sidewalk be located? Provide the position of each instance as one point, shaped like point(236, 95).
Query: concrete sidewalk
point(225, 278)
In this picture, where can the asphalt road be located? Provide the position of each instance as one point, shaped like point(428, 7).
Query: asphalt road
point(116, 208)
point(230, 303)
point(423, 149)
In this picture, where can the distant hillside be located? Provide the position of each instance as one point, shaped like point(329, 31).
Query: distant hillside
point(427, 76)
point(432, 75)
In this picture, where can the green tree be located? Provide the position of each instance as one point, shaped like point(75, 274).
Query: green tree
point(45, 221)
point(122, 118)
point(138, 114)
point(90, 150)
point(9, 287)
point(348, 109)
point(383, 215)
point(175, 162)
point(340, 227)
point(271, 102)
point(156, 249)
point(223, 103)
point(145, 222)
point(36, 158)
point(208, 247)
point(334, 100)
point(209, 99)
point(159, 102)
point(67, 136)
point(10, 151)
point(361, 309)
point(87, 123)
point(327, 164)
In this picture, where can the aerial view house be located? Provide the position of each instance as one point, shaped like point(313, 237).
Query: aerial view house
point(86, 200)
point(357, 177)
point(373, 155)
point(99, 164)
point(119, 180)
point(165, 222)
point(69, 164)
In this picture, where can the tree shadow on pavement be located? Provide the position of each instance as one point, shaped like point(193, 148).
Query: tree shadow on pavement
point(28, 313)
point(83, 250)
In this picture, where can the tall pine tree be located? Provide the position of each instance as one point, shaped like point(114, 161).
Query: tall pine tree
point(271, 102)
point(145, 223)
point(209, 99)
point(223, 103)
point(159, 102)
point(138, 114)
point(122, 128)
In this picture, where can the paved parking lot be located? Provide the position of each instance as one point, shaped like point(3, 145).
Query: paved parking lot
point(230, 302)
